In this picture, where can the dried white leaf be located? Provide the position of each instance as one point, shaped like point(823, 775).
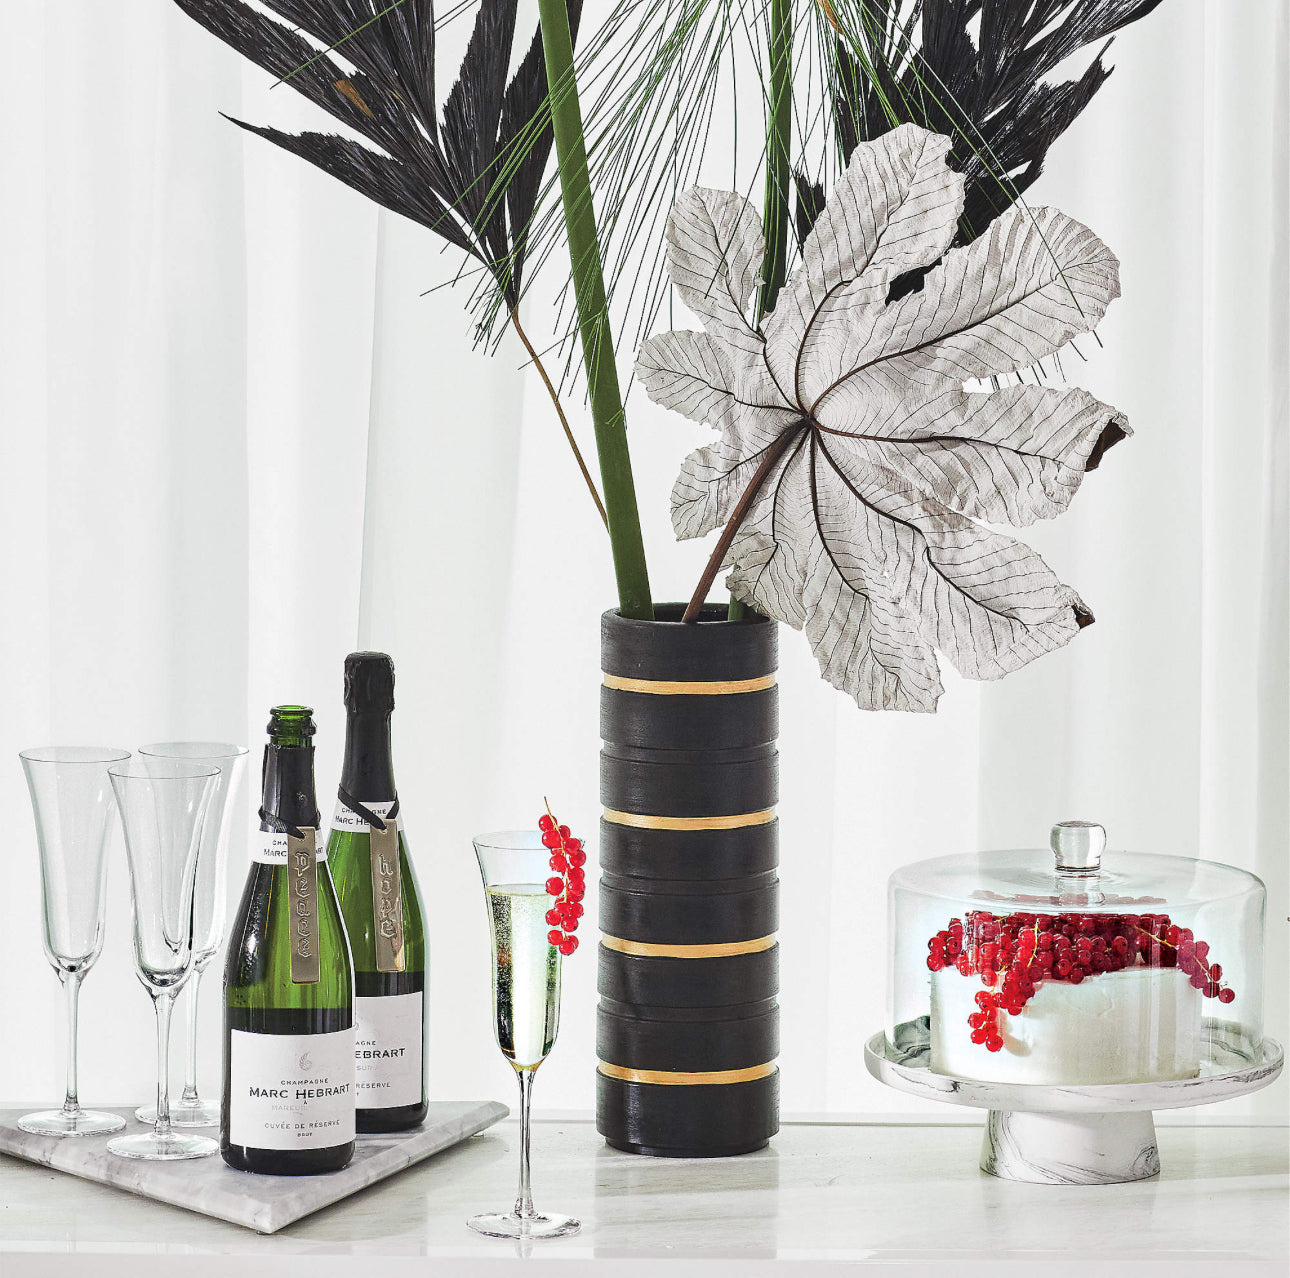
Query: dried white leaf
point(870, 457)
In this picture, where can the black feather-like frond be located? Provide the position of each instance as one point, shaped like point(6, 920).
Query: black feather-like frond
point(989, 91)
point(370, 174)
point(471, 174)
point(473, 112)
point(810, 204)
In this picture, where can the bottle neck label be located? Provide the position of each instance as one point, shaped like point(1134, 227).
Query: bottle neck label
point(349, 822)
point(302, 877)
point(387, 873)
point(270, 848)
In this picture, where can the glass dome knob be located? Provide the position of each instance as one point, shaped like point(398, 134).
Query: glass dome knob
point(1078, 846)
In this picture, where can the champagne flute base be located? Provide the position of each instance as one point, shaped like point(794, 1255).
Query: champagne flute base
point(168, 1148)
point(198, 1113)
point(498, 1224)
point(85, 1122)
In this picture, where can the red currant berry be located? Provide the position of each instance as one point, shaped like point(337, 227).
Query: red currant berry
point(545, 823)
point(553, 915)
point(555, 886)
point(568, 945)
point(1226, 995)
point(572, 845)
point(576, 856)
point(554, 937)
point(571, 925)
point(564, 831)
point(934, 964)
point(994, 1043)
point(559, 863)
point(576, 893)
point(550, 839)
point(979, 1035)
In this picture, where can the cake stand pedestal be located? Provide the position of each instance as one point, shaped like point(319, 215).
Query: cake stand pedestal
point(1069, 1134)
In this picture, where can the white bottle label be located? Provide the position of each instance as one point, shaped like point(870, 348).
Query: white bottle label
point(291, 1091)
point(350, 822)
point(387, 1050)
point(271, 849)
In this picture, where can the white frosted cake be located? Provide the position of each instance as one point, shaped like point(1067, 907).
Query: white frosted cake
point(1137, 1025)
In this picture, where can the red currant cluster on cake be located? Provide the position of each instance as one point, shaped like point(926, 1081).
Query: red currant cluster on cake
point(1012, 954)
point(568, 884)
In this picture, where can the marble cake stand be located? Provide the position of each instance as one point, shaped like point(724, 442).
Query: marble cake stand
point(1071, 1135)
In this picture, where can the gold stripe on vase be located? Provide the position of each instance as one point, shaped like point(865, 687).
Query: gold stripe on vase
point(690, 688)
point(736, 822)
point(685, 1078)
point(721, 949)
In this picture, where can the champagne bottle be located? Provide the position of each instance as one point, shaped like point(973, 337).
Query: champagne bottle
point(378, 897)
point(288, 1106)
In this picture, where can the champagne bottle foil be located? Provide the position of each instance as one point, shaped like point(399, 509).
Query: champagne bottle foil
point(369, 683)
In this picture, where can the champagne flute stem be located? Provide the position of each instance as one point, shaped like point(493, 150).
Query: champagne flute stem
point(72, 984)
point(190, 1096)
point(524, 1198)
point(164, 1003)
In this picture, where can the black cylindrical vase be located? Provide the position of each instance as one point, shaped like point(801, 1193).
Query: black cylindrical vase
point(687, 1031)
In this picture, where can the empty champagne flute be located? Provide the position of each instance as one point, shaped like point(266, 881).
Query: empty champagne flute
point(209, 905)
point(71, 799)
point(162, 804)
point(526, 999)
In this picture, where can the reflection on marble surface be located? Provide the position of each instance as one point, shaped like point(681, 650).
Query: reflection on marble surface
point(877, 1194)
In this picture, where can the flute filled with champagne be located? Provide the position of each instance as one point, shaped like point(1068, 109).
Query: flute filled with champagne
point(526, 999)
point(526, 973)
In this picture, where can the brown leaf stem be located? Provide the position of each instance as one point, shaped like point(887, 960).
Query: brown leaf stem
point(559, 409)
point(773, 454)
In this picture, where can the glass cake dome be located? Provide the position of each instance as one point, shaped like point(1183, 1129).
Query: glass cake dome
point(1079, 966)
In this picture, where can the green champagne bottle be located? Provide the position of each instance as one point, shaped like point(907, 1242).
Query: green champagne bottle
point(288, 1106)
point(368, 855)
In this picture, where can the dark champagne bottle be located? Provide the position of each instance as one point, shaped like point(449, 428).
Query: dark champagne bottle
point(288, 1104)
point(378, 895)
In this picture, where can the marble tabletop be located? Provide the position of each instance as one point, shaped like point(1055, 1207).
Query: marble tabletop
point(898, 1199)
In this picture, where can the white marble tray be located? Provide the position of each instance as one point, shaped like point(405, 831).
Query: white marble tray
point(263, 1203)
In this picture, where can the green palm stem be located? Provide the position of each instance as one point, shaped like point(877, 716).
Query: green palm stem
point(779, 122)
point(593, 317)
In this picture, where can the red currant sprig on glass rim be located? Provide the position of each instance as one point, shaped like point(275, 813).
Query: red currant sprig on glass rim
point(568, 884)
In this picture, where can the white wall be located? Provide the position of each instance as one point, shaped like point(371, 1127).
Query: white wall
point(238, 442)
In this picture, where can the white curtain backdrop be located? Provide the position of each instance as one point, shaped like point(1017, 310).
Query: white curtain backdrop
point(238, 442)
